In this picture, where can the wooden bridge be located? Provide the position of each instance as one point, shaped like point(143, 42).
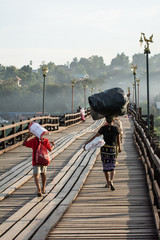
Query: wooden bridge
point(77, 206)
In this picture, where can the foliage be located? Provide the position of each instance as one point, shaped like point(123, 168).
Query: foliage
point(154, 63)
point(157, 126)
point(139, 60)
point(58, 88)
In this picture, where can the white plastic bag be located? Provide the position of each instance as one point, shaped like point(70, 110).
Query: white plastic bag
point(37, 130)
point(95, 143)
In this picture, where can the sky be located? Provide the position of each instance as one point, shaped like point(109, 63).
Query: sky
point(60, 30)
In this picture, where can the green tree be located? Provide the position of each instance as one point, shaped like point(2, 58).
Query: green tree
point(35, 88)
point(2, 71)
point(86, 65)
point(120, 61)
point(139, 60)
point(27, 76)
point(26, 69)
point(61, 76)
point(119, 69)
point(11, 71)
point(74, 62)
point(155, 63)
point(98, 66)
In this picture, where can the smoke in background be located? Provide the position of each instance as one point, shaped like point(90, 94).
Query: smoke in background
point(58, 99)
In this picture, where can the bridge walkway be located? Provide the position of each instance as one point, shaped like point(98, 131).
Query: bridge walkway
point(17, 188)
point(99, 213)
point(96, 212)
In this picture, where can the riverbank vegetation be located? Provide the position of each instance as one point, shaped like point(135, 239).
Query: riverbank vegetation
point(22, 89)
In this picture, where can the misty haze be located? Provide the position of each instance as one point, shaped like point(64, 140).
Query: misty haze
point(22, 89)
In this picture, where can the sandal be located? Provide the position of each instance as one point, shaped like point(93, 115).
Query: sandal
point(107, 185)
point(39, 194)
point(112, 187)
point(43, 192)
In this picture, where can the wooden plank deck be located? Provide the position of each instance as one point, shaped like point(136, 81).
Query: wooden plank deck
point(99, 213)
point(22, 200)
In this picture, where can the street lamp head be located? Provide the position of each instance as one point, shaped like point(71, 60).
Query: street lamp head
point(92, 88)
point(141, 40)
point(73, 82)
point(134, 68)
point(138, 81)
point(45, 70)
point(147, 41)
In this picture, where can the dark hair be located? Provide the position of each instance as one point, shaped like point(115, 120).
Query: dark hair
point(109, 119)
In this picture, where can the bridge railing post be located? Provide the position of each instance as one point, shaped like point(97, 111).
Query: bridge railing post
point(13, 133)
point(3, 136)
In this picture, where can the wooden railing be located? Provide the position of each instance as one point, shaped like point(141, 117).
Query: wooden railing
point(152, 168)
point(142, 119)
point(11, 136)
point(68, 119)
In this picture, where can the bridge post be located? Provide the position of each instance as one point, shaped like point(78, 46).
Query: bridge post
point(13, 132)
point(21, 129)
point(3, 136)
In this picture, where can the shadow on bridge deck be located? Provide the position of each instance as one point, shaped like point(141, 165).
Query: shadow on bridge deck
point(26, 190)
point(99, 213)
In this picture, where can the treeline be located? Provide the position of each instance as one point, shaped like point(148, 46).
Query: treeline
point(58, 97)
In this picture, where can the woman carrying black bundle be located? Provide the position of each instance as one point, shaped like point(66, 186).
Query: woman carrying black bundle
point(111, 135)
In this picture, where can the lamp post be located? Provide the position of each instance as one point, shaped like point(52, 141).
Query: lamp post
point(133, 92)
point(92, 91)
point(84, 87)
point(73, 82)
point(147, 52)
point(45, 71)
point(138, 81)
point(134, 68)
point(128, 95)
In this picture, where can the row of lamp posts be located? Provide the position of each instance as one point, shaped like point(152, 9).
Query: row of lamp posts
point(136, 81)
point(45, 71)
point(135, 86)
point(133, 68)
point(84, 88)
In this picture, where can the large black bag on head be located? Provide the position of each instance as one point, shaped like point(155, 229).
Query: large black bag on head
point(111, 102)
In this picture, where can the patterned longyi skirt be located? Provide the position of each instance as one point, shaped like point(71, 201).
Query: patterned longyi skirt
point(108, 157)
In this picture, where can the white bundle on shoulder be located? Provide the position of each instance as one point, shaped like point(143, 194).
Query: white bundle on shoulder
point(95, 143)
point(36, 129)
